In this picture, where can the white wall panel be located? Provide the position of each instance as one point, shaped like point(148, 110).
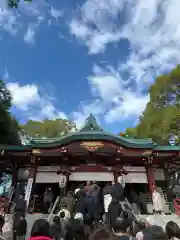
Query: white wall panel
point(47, 177)
point(48, 168)
point(136, 178)
point(91, 176)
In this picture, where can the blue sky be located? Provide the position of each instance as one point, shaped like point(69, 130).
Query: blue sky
point(72, 58)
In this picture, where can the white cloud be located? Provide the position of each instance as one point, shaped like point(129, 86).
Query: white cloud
point(105, 83)
point(24, 95)
point(128, 106)
point(27, 18)
point(29, 35)
point(9, 21)
point(113, 99)
point(152, 31)
point(55, 13)
point(28, 98)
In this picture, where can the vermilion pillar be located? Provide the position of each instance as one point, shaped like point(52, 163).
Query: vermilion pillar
point(150, 175)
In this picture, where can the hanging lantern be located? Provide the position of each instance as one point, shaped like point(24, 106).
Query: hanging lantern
point(64, 170)
point(23, 174)
point(120, 171)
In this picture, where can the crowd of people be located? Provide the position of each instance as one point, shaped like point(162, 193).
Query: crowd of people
point(77, 229)
point(91, 212)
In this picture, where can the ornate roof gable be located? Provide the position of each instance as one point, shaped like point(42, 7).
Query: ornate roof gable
point(91, 125)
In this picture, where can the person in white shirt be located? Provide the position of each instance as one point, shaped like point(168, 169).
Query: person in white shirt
point(157, 202)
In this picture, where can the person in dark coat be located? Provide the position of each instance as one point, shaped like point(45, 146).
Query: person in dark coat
point(69, 200)
point(40, 230)
point(142, 202)
point(170, 197)
point(19, 211)
point(114, 211)
point(81, 203)
point(107, 189)
point(21, 229)
point(75, 229)
point(134, 200)
point(20, 206)
point(89, 207)
point(118, 192)
point(120, 229)
point(55, 229)
point(64, 223)
point(154, 233)
point(2, 219)
point(96, 204)
point(48, 198)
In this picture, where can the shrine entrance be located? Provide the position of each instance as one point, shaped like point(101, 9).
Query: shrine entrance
point(137, 187)
point(37, 196)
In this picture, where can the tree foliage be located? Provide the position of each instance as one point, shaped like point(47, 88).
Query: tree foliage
point(15, 3)
point(49, 128)
point(8, 124)
point(161, 117)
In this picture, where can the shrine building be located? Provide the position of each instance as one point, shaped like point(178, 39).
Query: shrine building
point(89, 154)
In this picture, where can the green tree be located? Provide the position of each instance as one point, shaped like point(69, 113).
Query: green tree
point(161, 116)
point(131, 132)
point(5, 96)
point(8, 125)
point(49, 128)
point(15, 3)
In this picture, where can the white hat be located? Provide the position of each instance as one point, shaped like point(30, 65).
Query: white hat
point(78, 216)
point(76, 190)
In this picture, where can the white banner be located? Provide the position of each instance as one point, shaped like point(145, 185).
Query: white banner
point(28, 191)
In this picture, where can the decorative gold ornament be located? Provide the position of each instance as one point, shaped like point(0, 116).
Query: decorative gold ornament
point(92, 146)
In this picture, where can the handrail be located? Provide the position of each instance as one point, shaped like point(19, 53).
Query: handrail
point(130, 208)
point(53, 208)
point(10, 194)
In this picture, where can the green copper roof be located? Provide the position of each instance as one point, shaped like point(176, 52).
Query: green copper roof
point(15, 148)
point(43, 140)
point(92, 136)
point(91, 131)
point(167, 148)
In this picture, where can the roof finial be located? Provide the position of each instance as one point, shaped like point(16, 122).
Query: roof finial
point(91, 124)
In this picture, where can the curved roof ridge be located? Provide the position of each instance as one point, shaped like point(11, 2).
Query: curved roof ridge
point(93, 136)
point(139, 139)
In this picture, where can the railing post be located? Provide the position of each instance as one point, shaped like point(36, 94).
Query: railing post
point(53, 208)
